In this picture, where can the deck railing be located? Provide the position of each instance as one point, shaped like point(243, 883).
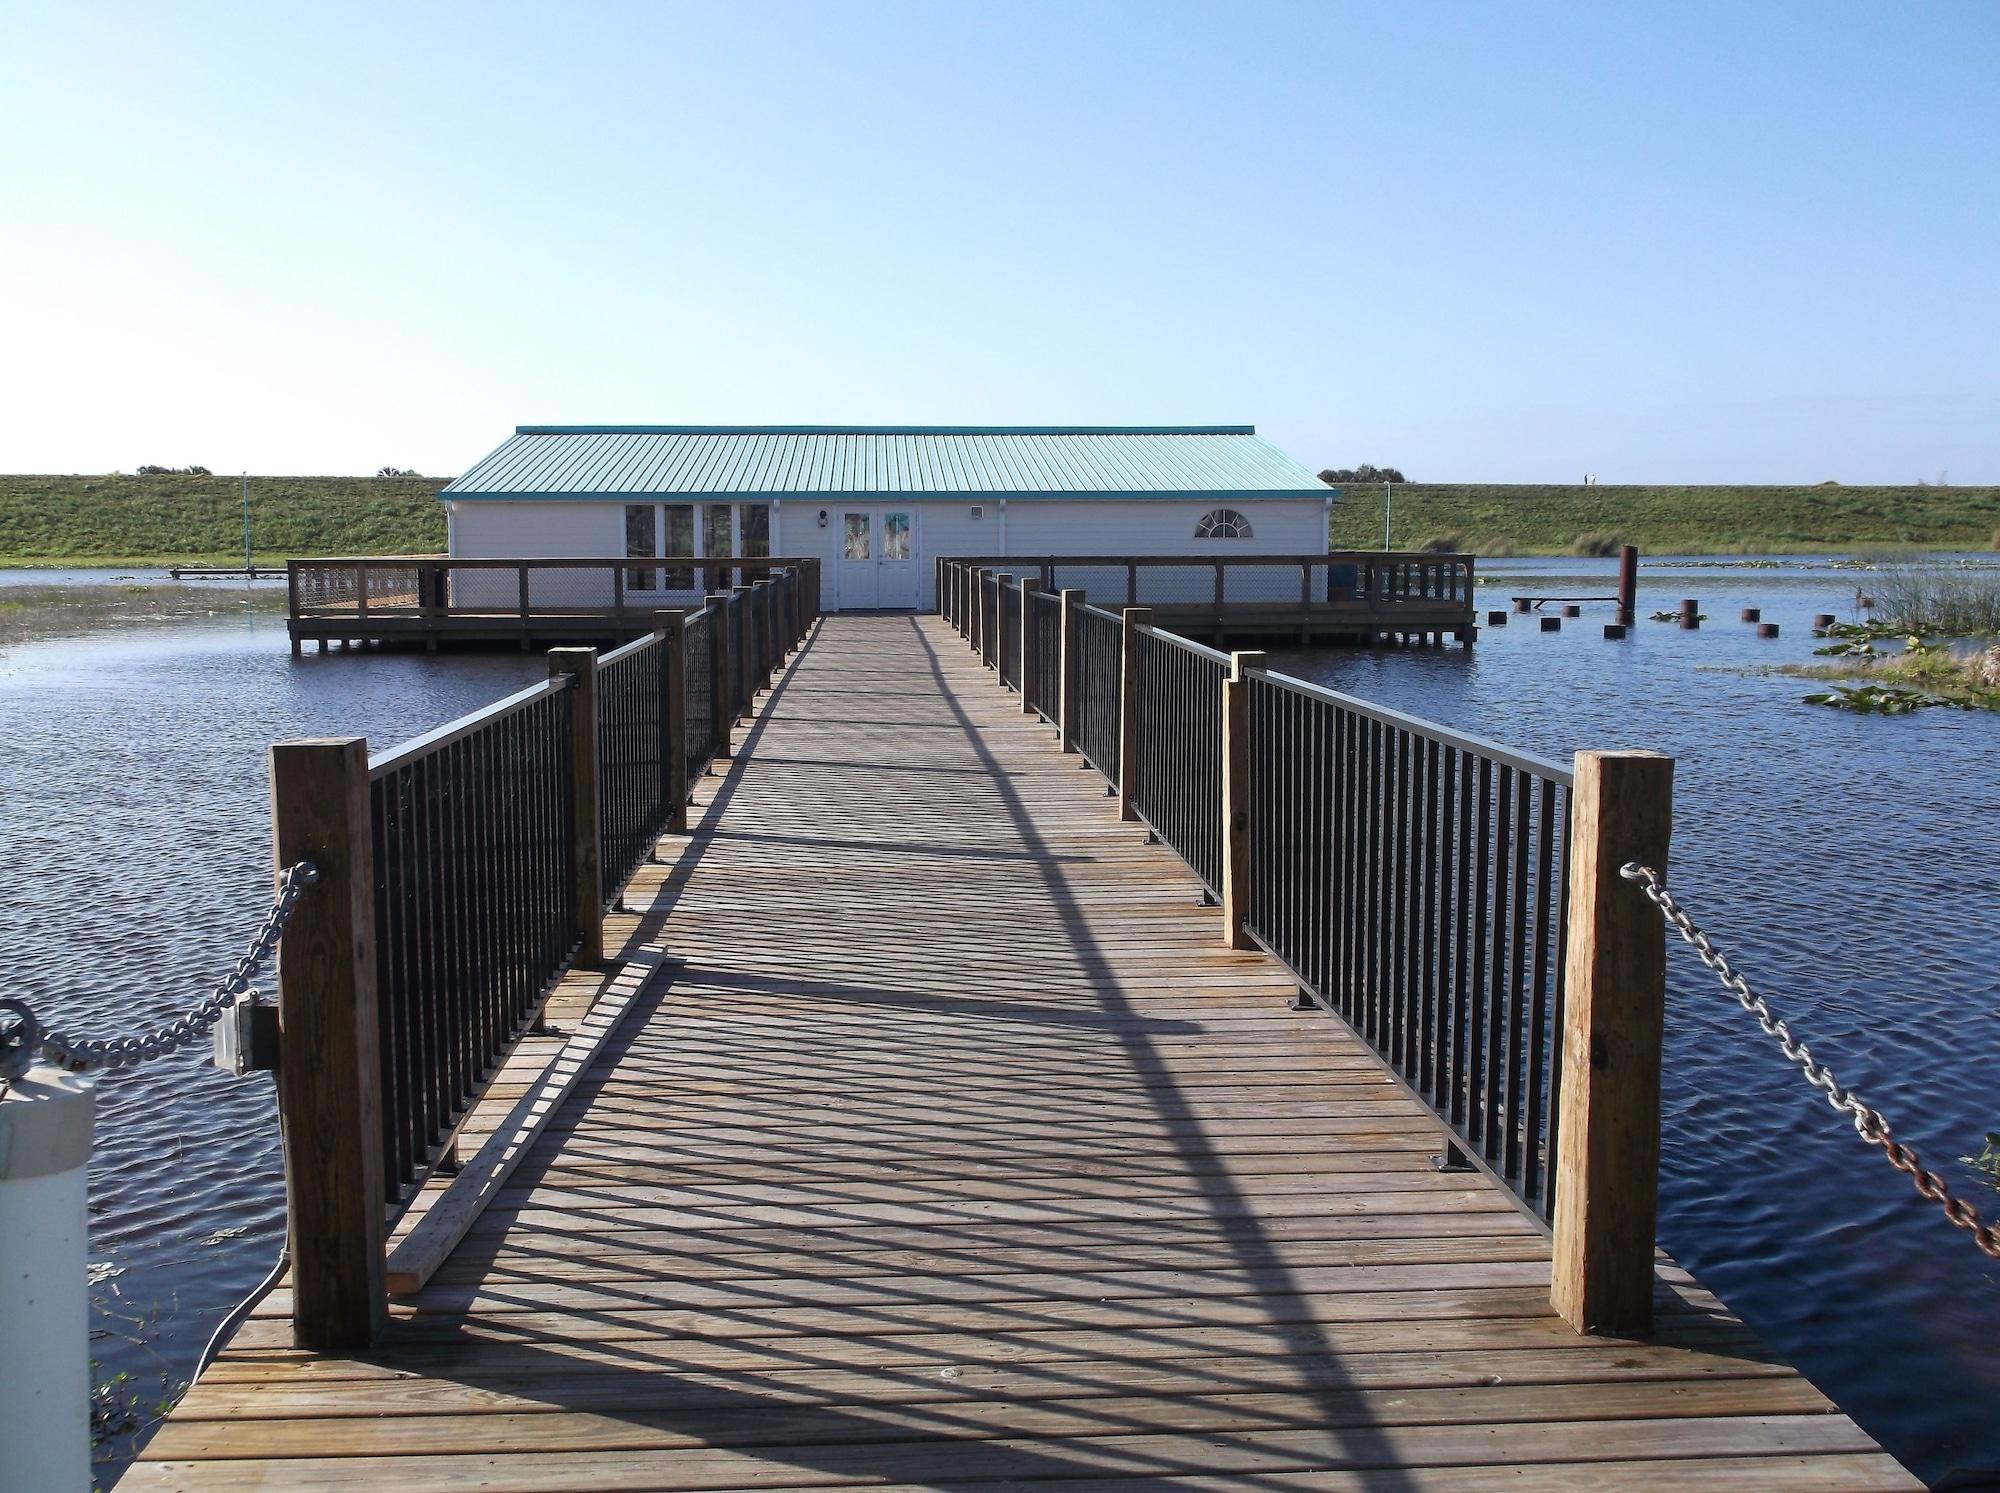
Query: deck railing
point(1367, 591)
point(1454, 901)
point(461, 874)
point(1044, 691)
point(1177, 759)
point(437, 586)
point(471, 828)
point(1411, 878)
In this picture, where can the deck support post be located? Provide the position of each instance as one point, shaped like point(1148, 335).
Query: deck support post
point(586, 869)
point(1029, 590)
point(718, 670)
point(1071, 665)
point(1236, 798)
point(672, 628)
point(329, 1058)
point(1607, 1165)
point(1134, 618)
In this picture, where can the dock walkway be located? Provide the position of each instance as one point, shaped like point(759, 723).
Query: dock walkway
point(956, 1151)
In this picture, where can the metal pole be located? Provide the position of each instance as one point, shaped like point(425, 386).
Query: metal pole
point(1387, 504)
point(246, 523)
point(45, 1124)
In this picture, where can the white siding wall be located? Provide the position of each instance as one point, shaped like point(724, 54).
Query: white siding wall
point(508, 529)
point(1160, 526)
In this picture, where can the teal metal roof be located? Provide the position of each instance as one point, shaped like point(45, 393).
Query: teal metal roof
point(591, 461)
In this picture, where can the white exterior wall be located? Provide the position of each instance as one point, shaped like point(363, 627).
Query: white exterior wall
point(595, 529)
point(1161, 526)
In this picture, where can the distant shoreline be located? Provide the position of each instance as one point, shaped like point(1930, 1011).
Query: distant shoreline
point(72, 521)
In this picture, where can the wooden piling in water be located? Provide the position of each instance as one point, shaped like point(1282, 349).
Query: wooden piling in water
point(1753, 614)
point(1628, 584)
point(1496, 619)
point(1767, 629)
point(1690, 614)
point(1552, 624)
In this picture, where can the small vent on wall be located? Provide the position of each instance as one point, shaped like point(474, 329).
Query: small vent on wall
point(978, 511)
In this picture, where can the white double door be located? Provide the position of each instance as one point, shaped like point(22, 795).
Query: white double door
point(879, 558)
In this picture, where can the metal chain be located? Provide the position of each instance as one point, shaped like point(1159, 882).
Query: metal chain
point(19, 1047)
point(1868, 1123)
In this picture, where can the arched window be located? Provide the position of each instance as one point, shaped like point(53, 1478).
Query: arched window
point(1222, 523)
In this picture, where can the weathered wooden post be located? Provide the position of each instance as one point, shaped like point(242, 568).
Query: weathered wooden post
point(1607, 1164)
point(1236, 797)
point(586, 870)
point(1068, 692)
point(1128, 707)
point(1628, 583)
point(672, 628)
point(1029, 590)
point(329, 1058)
point(718, 671)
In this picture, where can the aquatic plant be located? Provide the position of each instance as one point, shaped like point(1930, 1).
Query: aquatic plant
point(1673, 617)
point(1595, 544)
point(1945, 598)
point(1875, 699)
point(1987, 1163)
point(1443, 544)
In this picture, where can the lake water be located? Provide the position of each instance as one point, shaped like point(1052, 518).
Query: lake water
point(1847, 862)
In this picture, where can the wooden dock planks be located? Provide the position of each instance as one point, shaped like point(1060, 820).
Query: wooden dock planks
point(959, 1152)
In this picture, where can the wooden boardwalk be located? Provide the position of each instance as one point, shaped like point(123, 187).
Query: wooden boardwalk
point(955, 1151)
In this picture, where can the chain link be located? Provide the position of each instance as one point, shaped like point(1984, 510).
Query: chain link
point(1868, 1123)
point(19, 1047)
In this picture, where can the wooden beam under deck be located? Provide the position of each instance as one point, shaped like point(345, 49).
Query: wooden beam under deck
point(958, 1151)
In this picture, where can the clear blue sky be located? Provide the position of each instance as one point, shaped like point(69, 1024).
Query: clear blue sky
point(1726, 242)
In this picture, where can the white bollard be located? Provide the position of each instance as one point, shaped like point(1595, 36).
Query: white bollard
point(45, 1121)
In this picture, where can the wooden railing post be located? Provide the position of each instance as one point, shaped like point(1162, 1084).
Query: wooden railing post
point(329, 1059)
point(521, 586)
point(1029, 590)
point(718, 671)
point(586, 868)
point(1128, 708)
point(672, 627)
point(1236, 798)
point(1607, 1166)
point(1071, 665)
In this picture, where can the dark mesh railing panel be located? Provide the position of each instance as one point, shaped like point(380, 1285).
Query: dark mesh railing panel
point(1010, 635)
point(699, 642)
point(1098, 641)
point(632, 806)
point(1178, 766)
point(1046, 696)
point(473, 913)
point(1412, 879)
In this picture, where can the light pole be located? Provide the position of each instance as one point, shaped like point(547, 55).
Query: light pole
point(1387, 505)
point(247, 568)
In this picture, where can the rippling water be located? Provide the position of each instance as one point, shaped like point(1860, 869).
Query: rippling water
point(1848, 864)
point(1850, 860)
point(137, 862)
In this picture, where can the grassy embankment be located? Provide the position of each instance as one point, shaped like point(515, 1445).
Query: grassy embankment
point(167, 520)
point(1560, 520)
point(199, 520)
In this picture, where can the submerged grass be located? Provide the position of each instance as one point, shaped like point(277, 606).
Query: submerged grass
point(1935, 598)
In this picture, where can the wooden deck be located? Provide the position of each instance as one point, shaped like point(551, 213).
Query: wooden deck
point(955, 1151)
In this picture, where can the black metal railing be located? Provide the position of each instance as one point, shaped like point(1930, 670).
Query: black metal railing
point(698, 642)
point(1010, 635)
point(1099, 644)
point(1177, 765)
point(474, 918)
point(632, 716)
point(1045, 634)
point(1412, 880)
